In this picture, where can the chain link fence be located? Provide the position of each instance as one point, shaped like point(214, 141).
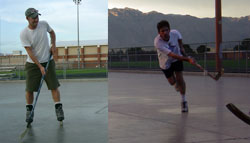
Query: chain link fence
point(13, 67)
point(235, 57)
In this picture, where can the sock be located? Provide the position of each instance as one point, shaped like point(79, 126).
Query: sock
point(58, 104)
point(29, 107)
point(183, 97)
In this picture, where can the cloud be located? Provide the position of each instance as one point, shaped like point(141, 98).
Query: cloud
point(51, 10)
point(60, 14)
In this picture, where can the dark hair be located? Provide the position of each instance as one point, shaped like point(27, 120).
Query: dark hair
point(163, 23)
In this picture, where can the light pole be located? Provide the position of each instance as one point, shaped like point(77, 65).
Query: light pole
point(77, 2)
point(218, 27)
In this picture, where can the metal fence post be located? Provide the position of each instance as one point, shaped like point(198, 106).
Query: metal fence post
point(247, 60)
point(128, 62)
point(64, 68)
point(150, 66)
point(99, 61)
point(120, 60)
point(19, 68)
point(128, 59)
point(109, 61)
point(205, 59)
point(239, 57)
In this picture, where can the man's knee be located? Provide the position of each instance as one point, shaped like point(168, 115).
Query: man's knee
point(54, 90)
point(29, 93)
point(171, 80)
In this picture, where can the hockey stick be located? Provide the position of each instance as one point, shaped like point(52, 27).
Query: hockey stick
point(37, 95)
point(238, 113)
point(215, 77)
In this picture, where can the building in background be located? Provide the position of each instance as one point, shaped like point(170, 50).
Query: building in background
point(93, 54)
point(17, 52)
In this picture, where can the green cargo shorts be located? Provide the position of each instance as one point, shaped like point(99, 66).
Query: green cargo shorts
point(33, 76)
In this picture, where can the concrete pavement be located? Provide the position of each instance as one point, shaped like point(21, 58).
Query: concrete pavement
point(144, 108)
point(85, 108)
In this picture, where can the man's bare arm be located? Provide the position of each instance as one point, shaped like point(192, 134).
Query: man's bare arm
point(53, 41)
point(182, 58)
point(34, 59)
point(182, 48)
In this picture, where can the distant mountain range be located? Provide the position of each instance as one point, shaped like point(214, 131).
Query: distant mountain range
point(132, 28)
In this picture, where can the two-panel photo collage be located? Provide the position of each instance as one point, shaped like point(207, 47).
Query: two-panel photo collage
point(124, 71)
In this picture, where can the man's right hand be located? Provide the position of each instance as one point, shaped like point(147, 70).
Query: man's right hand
point(191, 60)
point(34, 59)
point(42, 69)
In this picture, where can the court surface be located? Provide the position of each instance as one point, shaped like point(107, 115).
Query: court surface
point(85, 109)
point(144, 108)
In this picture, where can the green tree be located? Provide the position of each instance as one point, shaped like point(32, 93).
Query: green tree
point(245, 44)
point(202, 49)
point(237, 47)
point(188, 50)
point(111, 51)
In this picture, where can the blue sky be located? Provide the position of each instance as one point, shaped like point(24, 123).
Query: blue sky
point(60, 14)
point(198, 8)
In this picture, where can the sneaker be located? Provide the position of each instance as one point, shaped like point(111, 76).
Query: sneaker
point(59, 112)
point(28, 112)
point(184, 106)
point(176, 87)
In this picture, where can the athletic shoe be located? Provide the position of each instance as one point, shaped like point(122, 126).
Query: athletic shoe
point(184, 106)
point(176, 87)
point(59, 112)
point(28, 112)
